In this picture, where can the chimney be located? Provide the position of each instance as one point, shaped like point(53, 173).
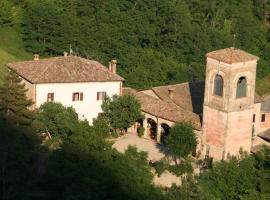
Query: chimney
point(65, 54)
point(36, 57)
point(112, 66)
point(171, 93)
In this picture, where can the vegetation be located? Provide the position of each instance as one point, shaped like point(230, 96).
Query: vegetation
point(121, 112)
point(13, 101)
point(155, 43)
point(181, 140)
point(85, 166)
point(246, 177)
point(140, 131)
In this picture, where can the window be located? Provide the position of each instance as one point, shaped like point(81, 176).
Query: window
point(101, 95)
point(241, 90)
point(50, 97)
point(263, 118)
point(254, 118)
point(218, 85)
point(77, 96)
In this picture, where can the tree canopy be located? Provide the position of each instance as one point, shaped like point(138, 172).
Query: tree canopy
point(182, 140)
point(14, 105)
point(121, 111)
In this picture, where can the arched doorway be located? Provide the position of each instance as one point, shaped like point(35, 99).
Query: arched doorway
point(152, 129)
point(165, 131)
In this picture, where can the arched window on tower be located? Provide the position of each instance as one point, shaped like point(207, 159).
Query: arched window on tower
point(241, 90)
point(218, 85)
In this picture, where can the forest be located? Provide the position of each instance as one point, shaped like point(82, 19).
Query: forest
point(156, 42)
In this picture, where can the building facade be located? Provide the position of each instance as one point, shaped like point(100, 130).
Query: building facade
point(70, 80)
point(229, 102)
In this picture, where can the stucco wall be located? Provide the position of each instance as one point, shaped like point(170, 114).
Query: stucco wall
point(266, 123)
point(86, 109)
point(239, 132)
point(214, 128)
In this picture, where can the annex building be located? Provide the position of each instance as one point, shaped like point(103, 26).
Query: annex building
point(226, 112)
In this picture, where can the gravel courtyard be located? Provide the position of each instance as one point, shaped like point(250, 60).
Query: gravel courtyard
point(154, 151)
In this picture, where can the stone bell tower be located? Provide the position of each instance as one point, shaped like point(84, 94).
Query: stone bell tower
point(228, 102)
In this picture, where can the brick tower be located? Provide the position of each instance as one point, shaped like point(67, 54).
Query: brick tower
point(228, 102)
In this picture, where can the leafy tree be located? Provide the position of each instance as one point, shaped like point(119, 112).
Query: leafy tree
point(101, 125)
point(182, 140)
point(14, 105)
point(121, 111)
point(56, 119)
point(6, 14)
point(234, 179)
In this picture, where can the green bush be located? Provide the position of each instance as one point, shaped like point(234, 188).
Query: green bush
point(161, 166)
point(114, 134)
point(140, 131)
point(178, 170)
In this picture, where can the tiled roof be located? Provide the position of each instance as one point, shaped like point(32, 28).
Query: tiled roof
point(64, 69)
point(265, 135)
point(231, 55)
point(164, 109)
point(189, 96)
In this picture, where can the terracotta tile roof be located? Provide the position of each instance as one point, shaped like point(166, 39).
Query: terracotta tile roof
point(231, 55)
point(164, 109)
point(189, 96)
point(265, 135)
point(64, 69)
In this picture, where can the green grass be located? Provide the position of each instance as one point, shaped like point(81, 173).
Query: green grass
point(11, 49)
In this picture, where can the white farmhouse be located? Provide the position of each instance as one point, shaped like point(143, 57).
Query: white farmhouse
point(70, 80)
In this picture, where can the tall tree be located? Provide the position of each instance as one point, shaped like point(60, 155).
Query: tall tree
point(181, 140)
point(14, 105)
point(121, 111)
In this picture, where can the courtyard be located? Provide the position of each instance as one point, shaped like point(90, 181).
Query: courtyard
point(155, 152)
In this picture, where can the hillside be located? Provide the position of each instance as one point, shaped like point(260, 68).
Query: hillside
point(154, 43)
point(11, 48)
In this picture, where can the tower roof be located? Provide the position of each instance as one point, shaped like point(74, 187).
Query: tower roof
point(231, 55)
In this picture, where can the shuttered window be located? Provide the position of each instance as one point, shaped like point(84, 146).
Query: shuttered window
point(241, 90)
point(101, 95)
point(77, 96)
point(218, 85)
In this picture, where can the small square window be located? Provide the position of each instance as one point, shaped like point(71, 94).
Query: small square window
point(77, 96)
point(50, 97)
point(263, 118)
point(101, 95)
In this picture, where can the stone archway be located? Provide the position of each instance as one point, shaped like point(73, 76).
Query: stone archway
point(165, 131)
point(152, 129)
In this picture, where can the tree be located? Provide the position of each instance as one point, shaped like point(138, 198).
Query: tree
point(101, 125)
point(121, 111)
point(6, 15)
point(56, 119)
point(14, 105)
point(182, 140)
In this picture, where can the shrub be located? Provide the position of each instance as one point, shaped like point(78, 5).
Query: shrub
point(140, 131)
point(161, 166)
point(178, 170)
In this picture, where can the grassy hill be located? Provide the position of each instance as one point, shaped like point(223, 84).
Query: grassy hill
point(11, 48)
